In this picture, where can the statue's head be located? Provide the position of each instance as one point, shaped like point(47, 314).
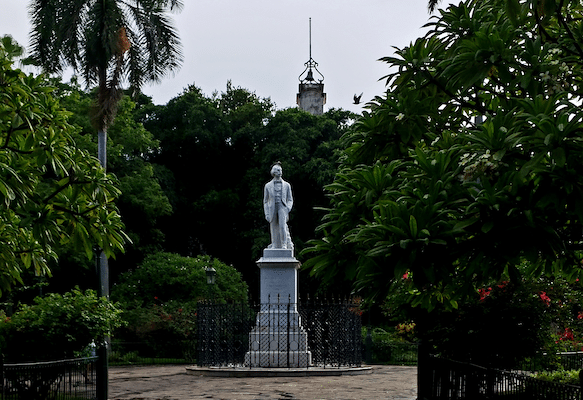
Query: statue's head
point(276, 170)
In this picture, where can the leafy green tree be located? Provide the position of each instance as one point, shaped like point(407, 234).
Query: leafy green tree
point(470, 163)
point(163, 277)
point(54, 194)
point(107, 42)
point(160, 297)
point(142, 202)
point(57, 326)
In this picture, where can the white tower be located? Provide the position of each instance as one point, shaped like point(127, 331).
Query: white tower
point(311, 96)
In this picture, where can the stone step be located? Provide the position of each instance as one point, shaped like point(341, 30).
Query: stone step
point(278, 359)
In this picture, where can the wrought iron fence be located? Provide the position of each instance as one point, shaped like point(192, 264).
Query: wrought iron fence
point(572, 360)
point(49, 380)
point(279, 335)
point(447, 379)
point(397, 353)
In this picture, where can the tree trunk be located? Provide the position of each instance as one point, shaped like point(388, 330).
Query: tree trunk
point(103, 287)
point(102, 147)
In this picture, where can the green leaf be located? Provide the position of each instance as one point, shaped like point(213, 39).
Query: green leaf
point(487, 226)
point(513, 10)
point(559, 156)
point(413, 226)
point(460, 226)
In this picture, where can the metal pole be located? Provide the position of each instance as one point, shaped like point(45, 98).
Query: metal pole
point(102, 378)
point(288, 331)
point(102, 366)
point(424, 380)
point(368, 342)
point(310, 39)
point(2, 374)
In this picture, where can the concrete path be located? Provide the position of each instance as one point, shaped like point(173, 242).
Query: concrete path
point(173, 383)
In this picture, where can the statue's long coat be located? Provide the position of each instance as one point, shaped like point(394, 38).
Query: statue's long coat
point(269, 198)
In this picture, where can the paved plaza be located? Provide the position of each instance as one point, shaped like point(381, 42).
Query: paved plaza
point(173, 383)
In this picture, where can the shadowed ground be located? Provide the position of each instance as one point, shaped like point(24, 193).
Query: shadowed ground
point(173, 383)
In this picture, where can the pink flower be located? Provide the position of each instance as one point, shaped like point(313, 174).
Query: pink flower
point(546, 299)
point(484, 293)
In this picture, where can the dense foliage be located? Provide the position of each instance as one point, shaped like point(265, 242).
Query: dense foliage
point(141, 202)
point(470, 163)
point(160, 296)
point(53, 193)
point(165, 276)
point(57, 326)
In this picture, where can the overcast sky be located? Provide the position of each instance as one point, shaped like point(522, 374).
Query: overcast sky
point(262, 45)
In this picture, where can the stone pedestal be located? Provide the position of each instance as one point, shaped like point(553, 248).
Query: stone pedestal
point(278, 339)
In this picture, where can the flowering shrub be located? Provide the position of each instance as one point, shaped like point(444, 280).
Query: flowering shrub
point(506, 321)
point(406, 331)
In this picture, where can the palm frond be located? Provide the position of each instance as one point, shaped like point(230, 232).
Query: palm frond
point(85, 35)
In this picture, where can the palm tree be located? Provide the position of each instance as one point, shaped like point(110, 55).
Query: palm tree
point(107, 42)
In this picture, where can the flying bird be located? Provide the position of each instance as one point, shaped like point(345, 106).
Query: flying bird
point(357, 99)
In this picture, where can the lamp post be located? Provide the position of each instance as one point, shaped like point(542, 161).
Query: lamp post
point(211, 275)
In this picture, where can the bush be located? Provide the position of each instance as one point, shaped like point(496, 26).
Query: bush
point(570, 377)
point(389, 346)
point(160, 326)
point(57, 326)
point(163, 277)
point(160, 299)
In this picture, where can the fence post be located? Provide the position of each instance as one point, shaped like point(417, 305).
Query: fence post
point(423, 372)
point(288, 331)
point(490, 381)
point(581, 383)
point(2, 375)
point(102, 370)
point(368, 341)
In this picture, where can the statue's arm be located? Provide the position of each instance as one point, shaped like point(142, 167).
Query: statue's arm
point(266, 204)
point(290, 200)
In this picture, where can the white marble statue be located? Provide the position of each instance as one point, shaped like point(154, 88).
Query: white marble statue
point(277, 203)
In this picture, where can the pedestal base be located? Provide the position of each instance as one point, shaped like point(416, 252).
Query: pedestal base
point(278, 359)
point(278, 339)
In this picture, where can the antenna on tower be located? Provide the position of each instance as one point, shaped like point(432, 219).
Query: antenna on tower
point(310, 37)
point(310, 64)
